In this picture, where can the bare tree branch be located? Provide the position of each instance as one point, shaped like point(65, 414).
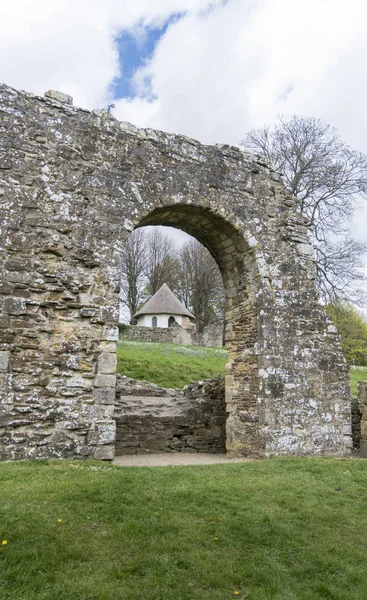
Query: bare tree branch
point(161, 254)
point(201, 286)
point(329, 179)
point(133, 268)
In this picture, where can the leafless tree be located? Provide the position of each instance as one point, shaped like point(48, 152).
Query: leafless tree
point(133, 268)
point(200, 285)
point(329, 179)
point(161, 255)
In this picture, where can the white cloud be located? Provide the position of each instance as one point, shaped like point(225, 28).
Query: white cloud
point(69, 44)
point(60, 45)
point(215, 76)
point(217, 71)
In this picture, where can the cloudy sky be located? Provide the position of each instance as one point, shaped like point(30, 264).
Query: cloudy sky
point(211, 69)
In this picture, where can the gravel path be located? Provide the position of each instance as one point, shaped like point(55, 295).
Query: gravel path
point(166, 459)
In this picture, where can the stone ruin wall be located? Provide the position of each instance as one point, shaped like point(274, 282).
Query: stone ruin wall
point(153, 419)
point(359, 419)
point(211, 336)
point(356, 418)
point(73, 185)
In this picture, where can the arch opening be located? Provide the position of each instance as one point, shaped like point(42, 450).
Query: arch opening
point(237, 265)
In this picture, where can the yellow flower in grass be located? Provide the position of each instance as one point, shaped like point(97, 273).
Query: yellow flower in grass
point(236, 593)
point(216, 539)
point(4, 542)
point(59, 520)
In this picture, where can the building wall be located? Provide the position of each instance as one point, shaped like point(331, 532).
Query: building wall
point(211, 336)
point(162, 320)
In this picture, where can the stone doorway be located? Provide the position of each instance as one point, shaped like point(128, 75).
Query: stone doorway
point(239, 273)
point(150, 418)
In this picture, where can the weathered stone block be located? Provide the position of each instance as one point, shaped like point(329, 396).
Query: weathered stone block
point(96, 412)
point(19, 277)
point(110, 334)
point(4, 321)
point(364, 429)
point(89, 312)
point(4, 360)
point(104, 395)
point(107, 363)
point(105, 453)
point(6, 389)
point(105, 381)
point(104, 432)
point(15, 306)
point(363, 449)
point(109, 314)
point(78, 382)
point(59, 96)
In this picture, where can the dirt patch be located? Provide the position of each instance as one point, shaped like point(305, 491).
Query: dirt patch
point(166, 459)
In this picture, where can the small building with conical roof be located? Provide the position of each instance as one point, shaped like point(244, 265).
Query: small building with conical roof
point(164, 310)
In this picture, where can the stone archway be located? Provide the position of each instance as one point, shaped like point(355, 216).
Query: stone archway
point(75, 183)
point(237, 262)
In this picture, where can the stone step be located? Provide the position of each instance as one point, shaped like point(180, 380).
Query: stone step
point(153, 406)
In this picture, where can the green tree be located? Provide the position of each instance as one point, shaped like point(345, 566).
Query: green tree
point(353, 330)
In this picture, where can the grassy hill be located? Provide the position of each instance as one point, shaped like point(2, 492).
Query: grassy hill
point(357, 374)
point(169, 365)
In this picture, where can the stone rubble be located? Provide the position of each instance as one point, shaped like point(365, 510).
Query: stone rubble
point(150, 419)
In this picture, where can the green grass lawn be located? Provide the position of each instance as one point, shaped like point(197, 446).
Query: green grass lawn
point(169, 365)
point(357, 374)
point(282, 529)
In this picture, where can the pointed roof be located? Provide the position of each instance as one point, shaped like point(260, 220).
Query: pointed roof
point(164, 301)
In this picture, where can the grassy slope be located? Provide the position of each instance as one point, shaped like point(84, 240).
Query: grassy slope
point(357, 374)
point(169, 365)
point(287, 529)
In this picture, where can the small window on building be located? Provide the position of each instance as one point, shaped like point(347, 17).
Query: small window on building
point(171, 321)
point(154, 322)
